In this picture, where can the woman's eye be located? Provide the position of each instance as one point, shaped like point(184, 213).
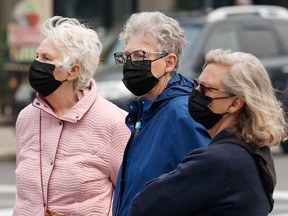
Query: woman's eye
point(46, 58)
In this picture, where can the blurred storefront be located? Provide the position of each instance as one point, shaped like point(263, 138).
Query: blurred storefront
point(20, 34)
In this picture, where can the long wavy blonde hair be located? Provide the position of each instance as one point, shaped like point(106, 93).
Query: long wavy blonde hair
point(262, 121)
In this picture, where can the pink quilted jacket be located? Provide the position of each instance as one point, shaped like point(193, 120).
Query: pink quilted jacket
point(69, 165)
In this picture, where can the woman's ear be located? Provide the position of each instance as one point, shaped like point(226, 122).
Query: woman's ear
point(171, 60)
point(74, 73)
point(236, 105)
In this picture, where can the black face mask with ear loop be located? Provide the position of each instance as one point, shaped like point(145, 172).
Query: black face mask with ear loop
point(198, 106)
point(41, 78)
point(138, 77)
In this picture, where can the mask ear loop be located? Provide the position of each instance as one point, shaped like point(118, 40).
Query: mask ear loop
point(228, 110)
point(232, 106)
point(61, 66)
point(162, 75)
point(60, 80)
point(162, 56)
point(225, 97)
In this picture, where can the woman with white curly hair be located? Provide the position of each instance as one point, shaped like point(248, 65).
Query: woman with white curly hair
point(70, 140)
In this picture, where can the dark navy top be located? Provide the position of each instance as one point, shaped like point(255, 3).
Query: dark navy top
point(219, 180)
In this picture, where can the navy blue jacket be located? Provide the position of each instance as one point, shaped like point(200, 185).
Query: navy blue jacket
point(219, 180)
point(168, 133)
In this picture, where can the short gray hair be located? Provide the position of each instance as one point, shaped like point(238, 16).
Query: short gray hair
point(168, 36)
point(262, 122)
point(78, 44)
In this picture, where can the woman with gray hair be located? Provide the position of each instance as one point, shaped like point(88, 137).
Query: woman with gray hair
point(162, 131)
point(70, 140)
point(235, 175)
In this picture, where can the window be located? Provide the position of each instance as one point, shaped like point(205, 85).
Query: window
point(282, 29)
point(191, 32)
point(260, 42)
point(224, 39)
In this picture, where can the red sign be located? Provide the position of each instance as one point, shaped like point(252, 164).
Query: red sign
point(19, 35)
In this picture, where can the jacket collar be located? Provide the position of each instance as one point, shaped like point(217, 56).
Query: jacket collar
point(177, 86)
point(86, 99)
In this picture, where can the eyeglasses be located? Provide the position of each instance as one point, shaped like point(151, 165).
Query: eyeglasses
point(136, 57)
point(203, 88)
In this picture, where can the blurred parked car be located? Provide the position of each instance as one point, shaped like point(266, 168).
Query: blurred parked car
point(108, 75)
point(260, 30)
point(111, 87)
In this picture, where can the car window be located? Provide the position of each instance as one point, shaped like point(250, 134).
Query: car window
point(260, 42)
point(191, 32)
point(118, 47)
point(282, 29)
point(219, 36)
point(226, 39)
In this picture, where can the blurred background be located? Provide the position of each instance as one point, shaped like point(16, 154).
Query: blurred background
point(19, 37)
point(239, 25)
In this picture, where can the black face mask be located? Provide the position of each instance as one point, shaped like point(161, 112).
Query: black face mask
point(198, 106)
point(138, 77)
point(41, 78)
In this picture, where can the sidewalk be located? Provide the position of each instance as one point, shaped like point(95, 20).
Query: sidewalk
point(7, 143)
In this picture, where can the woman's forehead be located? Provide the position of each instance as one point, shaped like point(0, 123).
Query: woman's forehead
point(213, 73)
point(46, 47)
point(140, 42)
